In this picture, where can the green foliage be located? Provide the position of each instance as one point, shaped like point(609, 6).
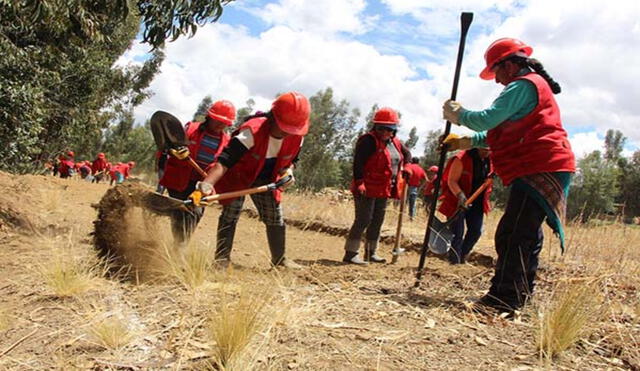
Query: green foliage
point(124, 142)
point(203, 107)
point(613, 145)
point(630, 184)
point(413, 138)
point(594, 188)
point(431, 154)
point(327, 150)
point(169, 19)
point(58, 86)
point(243, 112)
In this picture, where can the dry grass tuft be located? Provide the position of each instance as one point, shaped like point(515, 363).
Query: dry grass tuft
point(111, 333)
point(234, 323)
point(68, 277)
point(190, 266)
point(567, 317)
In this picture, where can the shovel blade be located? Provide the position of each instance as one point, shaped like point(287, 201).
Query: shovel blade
point(440, 237)
point(167, 131)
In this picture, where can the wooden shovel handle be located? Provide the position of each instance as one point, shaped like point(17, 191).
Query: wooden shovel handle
point(197, 167)
point(479, 191)
point(248, 191)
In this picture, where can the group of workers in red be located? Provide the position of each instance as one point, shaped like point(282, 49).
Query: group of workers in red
point(95, 170)
point(519, 137)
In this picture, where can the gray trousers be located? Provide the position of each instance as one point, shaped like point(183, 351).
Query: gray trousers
point(369, 216)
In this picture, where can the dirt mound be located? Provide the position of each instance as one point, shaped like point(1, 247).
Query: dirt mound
point(126, 232)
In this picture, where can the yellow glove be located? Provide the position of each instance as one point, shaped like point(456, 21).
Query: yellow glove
point(451, 111)
point(284, 173)
point(203, 189)
point(180, 153)
point(196, 197)
point(454, 142)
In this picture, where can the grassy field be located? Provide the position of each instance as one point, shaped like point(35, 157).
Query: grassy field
point(59, 309)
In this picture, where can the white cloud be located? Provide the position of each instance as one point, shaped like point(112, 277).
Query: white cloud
point(590, 52)
point(589, 48)
point(323, 16)
point(585, 143)
point(227, 62)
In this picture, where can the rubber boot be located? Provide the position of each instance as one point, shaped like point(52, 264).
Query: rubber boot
point(276, 238)
point(351, 256)
point(370, 248)
point(224, 242)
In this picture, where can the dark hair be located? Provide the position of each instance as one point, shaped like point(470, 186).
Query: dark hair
point(538, 68)
point(415, 160)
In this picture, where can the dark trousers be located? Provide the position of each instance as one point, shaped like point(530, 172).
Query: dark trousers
point(462, 243)
point(369, 216)
point(184, 223)
point(518, 243)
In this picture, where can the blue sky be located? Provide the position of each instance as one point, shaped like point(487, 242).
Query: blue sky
point(401, 53)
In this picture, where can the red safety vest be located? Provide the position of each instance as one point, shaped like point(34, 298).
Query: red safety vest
point(65, 166)
point(178, 173)
point(430, 186)
point(378, 172)
point(534, 144)
point(417, 174)
point(98, 165)
point(449, 204)
point(246, 170)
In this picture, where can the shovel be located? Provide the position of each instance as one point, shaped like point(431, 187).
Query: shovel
point(169, 134)
point(397, 250)
point(441, 234)
point(164, 205)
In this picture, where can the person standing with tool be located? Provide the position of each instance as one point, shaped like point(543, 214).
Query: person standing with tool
point(262, 150)
point(416, 177)
point(464, 173)
point(377, 176)
point(531, 153)
point(207, 140)
point(427, 195)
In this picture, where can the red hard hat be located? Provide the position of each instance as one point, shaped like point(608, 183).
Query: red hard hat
point(100, 155)
point(223, 111)
point(433, 169)
point(387, 117)
point(291, 112)
point(131, 164)
point(500, 50)
point(70, 153)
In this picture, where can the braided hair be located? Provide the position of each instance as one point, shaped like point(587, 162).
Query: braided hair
point(539, 69)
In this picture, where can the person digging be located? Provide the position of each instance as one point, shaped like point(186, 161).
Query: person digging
point(262, 150)
point(207, 140)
